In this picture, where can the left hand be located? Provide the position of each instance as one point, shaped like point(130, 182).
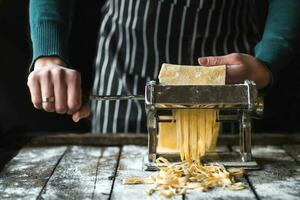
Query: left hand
point(240, 67)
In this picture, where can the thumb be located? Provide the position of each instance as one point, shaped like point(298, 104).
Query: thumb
point(213, 60)
point(84, 112)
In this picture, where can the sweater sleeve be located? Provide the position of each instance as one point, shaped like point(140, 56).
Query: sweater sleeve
point(282, 31)
point(50, 24)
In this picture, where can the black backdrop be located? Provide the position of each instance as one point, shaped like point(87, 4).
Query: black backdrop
point(16, 111)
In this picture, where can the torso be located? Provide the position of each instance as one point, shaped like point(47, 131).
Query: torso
point(137, 36)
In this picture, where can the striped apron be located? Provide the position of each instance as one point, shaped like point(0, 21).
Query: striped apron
point(137, 36)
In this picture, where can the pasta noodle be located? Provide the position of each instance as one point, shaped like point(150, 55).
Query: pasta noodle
point(197, 132)
point(178, 178)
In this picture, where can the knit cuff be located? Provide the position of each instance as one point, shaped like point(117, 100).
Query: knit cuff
point(49, 39)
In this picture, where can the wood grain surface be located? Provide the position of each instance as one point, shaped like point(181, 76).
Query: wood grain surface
point(142, 139)
point(83, 173)
point(96, 172)
point(25, 176)
point(279, 177)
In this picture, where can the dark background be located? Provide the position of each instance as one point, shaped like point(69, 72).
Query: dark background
point(16, 111)
point(17, 115)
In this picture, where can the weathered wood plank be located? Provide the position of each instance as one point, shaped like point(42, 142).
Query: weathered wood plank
point(131, 165)
point(221, 193)
point(142, 139)
point(106, 172)
point(90, 139)
point(78, 172)
point(26, 174)
point(293, 151)
point(279, 177)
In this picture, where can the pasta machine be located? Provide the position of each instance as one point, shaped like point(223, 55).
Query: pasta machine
point(236, 102)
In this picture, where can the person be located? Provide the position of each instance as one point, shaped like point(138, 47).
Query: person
point(137, 36)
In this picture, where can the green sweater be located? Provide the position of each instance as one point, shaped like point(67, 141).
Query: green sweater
point(50, 24)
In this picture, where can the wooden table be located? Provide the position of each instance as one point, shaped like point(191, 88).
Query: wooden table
point(79, 167)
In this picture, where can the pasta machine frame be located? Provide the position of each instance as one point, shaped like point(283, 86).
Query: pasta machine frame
point(236, 102)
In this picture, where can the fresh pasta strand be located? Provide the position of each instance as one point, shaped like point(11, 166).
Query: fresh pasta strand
point(180, 178)
point(193, 136)
point(197, 132)
point(185, 117)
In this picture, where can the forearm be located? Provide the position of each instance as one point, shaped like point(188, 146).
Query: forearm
point(280, 36)
point(50, 24)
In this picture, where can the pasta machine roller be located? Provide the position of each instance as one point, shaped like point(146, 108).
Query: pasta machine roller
point(236, 102)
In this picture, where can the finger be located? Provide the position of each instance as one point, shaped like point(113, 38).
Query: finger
point(235, 74)
point(60, 91)
point(47, 91)
point(35, 91)
point(234, 58)
point(84, 112)
point(213, 60)
point(74, 91)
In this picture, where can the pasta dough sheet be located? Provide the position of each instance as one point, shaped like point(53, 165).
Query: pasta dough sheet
point(167, 142)
point(196, 130)
point(192, 75)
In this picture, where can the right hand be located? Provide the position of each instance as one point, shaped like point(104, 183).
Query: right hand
point(50, 78)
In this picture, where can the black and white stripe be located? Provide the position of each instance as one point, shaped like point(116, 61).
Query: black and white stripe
point(182, 26)
point(114, 65)
point(137, 36)
point(96, 106)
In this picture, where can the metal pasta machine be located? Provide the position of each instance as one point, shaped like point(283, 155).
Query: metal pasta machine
point(236, 102)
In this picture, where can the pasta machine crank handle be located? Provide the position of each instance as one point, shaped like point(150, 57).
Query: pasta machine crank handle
point(116, 97)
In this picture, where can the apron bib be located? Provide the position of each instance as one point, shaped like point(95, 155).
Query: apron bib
point(137, 36)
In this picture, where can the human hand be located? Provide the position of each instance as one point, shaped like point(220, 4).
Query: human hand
point(62, 86)
point(240, 67)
